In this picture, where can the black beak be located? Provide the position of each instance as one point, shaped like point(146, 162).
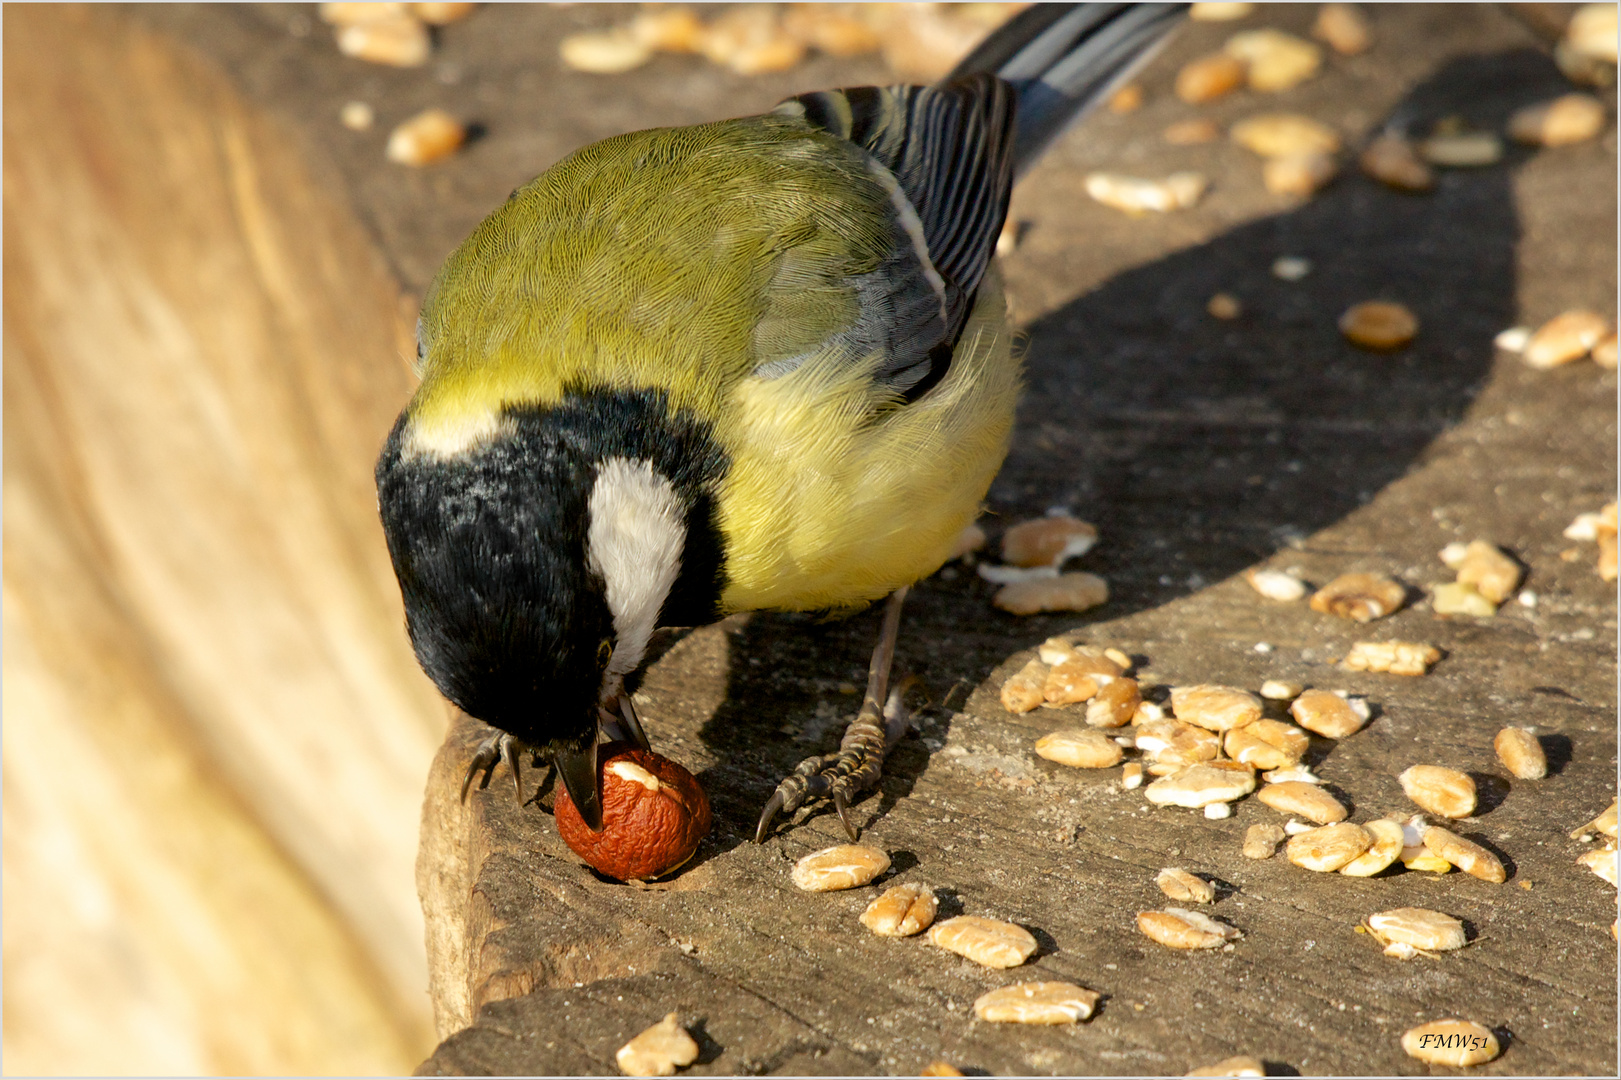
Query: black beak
point(578, 769)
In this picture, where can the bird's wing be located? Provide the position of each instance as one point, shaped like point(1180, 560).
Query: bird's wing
point(943, 156)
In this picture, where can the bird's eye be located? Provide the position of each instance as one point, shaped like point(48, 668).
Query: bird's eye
point(605, 650)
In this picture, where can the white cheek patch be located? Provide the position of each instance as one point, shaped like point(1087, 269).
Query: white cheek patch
point(634, 542)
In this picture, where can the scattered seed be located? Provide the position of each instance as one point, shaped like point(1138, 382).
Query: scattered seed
point(1295, 828)
point(1513, 340)
point(1182, 929)
point(1440, 790)
point(1392, 160)
point(1466, 855)
point(1148, 712)
point(1361, 597)
point(1217, 708)
point(1307, 800)
point(1450, 1042)
point(1294, 774)
point(1266, 744)
point(1209, 77)
point(1329, 715)
point(1381, 325)
point(1133, 195)
point(971, 539)
point(658, 1051)
point(1178, 884)
point(1568, 336)
point(1217, 810)
point(429, 136)
point(1128, 98)
point(1298, 174)
point(1290, 268)
point(399, 41)
point(1176, 744)
point(1025, 688)
point(605, 52)
point(1037, 1003)
point(1601, 861)
point(1277, 61)
point(354, 14)
point(1456, 598)
point(1592, 32)
point(1086, 660)
point(1066, 592)
point(903, 910)
point(1243, 1065)
point(830, 29)
point(1224, 306)
point(1261, 841)
point(844, 866)
point(1193, 132)
point(1276, 584)
point(1388, 840)
point(1420, 928)
point(1344, 27)
point(1083, 748)
point(1521, 753)
point(1604, 353)
point(1115, 704)
point(989, 942)
point(1070, 682)
point(1194, 786)
point(1047, 541)
point(750, 40)
point(1604, 823)
point(1278, 690)
point(1055, 650)
point(940, 1068)
point(1211, 12)
point(1571, 118)
point(1468, 150)
point(1131, 775)
point(1492, 573)
point(1415, 855)
point(442, 14)
point(1396, 657)
point(357, 116)
point(1285, 134)
point(1330, 847)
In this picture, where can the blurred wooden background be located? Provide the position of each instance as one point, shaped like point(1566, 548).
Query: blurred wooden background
point(215, 734)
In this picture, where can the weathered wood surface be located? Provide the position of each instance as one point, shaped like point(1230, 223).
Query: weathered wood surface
point(1199, 448)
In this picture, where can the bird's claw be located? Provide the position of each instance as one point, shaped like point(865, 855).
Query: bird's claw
point(841, 776)
point(488, 755)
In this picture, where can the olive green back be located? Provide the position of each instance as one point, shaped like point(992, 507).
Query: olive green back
point(677, 258)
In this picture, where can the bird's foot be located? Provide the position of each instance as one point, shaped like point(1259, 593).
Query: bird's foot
point(842, 776)
point(497, 745)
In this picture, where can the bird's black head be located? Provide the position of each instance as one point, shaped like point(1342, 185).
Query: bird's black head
point(490, 550)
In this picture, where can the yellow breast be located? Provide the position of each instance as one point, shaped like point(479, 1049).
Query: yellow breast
point(829, 504)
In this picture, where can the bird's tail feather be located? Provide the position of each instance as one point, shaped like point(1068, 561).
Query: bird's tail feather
point(1063, 59)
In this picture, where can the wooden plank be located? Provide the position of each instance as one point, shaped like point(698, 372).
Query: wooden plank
point(1200, 448)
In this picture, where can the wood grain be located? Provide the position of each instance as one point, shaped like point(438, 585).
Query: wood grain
point(215, 733)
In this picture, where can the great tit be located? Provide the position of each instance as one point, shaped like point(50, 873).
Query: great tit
point(755, 364)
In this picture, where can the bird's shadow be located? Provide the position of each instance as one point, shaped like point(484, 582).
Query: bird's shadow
point(1197, 446)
